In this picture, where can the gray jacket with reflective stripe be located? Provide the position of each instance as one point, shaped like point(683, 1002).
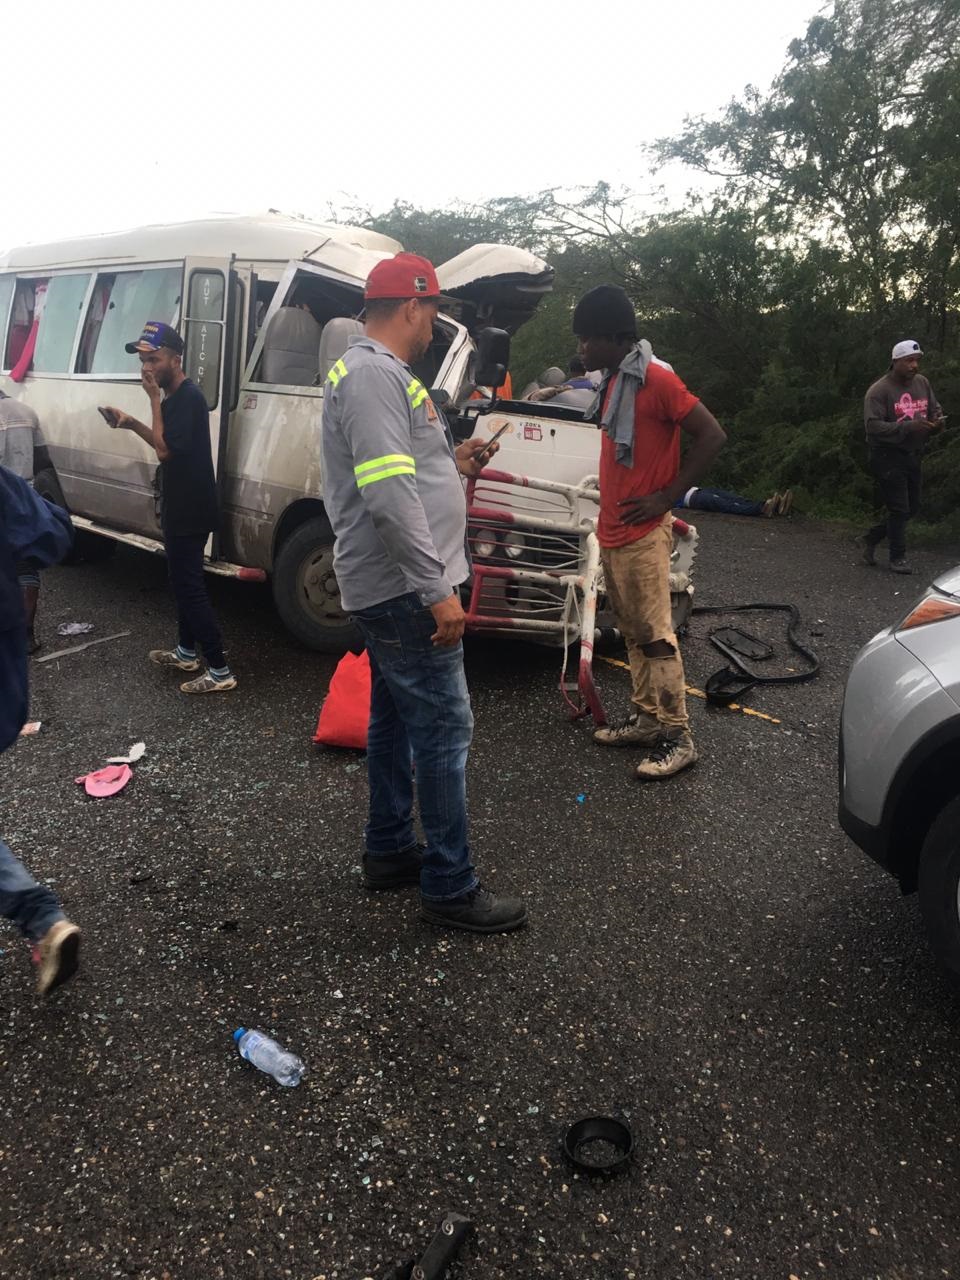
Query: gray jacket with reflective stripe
point(391, 487)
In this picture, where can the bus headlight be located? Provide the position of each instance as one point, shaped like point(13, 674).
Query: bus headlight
point(484, 543)
point(514, 545)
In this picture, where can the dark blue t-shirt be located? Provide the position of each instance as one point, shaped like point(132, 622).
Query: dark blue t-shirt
point(188, 485)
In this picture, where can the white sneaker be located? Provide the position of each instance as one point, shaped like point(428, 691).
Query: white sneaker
point(170, 658)
point(209, 684)
point(668, 758)
point(57, 955)
point(639, 730)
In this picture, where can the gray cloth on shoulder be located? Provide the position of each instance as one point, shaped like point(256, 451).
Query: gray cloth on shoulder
point(618, 418)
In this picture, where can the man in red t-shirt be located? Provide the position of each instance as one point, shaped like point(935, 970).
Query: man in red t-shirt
point(642, 407)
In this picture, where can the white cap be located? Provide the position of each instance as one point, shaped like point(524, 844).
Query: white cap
point(907, 348)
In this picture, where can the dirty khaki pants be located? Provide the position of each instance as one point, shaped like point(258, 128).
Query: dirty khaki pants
point(637, 578)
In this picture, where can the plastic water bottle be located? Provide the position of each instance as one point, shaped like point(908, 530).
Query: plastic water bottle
point(286, 1068)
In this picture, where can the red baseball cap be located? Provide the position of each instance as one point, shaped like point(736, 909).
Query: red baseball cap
point(405, 276)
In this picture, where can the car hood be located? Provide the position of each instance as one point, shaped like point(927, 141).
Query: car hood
point(494, 284)
point(949, 583)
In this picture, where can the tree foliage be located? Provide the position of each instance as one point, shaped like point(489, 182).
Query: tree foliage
point(832, 230)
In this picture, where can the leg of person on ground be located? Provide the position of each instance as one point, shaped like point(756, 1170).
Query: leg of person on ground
point(196, 620)
point(36, 913)
point(637, 577)
point(427, 688)
point(731, 503)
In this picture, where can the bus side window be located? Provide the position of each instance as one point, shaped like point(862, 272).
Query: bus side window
point(6, 295)
point(121, 304)
point(99, 302)
point(22, 316)
point(58, 324)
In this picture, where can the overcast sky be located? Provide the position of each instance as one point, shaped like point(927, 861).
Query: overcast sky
point(118, 114)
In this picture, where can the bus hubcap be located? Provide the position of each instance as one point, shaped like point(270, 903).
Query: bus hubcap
point(318, 587)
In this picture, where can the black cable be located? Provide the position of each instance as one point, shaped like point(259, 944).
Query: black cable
point(726, 685)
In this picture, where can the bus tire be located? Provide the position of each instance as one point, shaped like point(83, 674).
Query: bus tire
point(305, 590)
point(88, 548)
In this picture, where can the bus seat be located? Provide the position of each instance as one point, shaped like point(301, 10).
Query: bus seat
point(290, 348)
point(333, 341)
point(575, 398)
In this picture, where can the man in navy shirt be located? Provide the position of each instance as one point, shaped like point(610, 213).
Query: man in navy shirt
point(30, 529)
point(179, 432)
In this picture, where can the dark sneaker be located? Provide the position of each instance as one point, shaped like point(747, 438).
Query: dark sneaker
point(639, 730)
point(478, 911)
point(868, 551)
point(900, 566)
point(57, 956)
point(667, 758)
point(395, 871)
point(170, 658)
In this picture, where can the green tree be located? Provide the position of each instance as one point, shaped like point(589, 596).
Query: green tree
point(830, 153)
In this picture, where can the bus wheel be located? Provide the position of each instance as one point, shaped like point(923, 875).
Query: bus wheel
point(305, 590)
point(88, 548)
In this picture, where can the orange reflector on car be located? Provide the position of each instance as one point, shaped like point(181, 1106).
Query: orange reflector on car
point(933, 609)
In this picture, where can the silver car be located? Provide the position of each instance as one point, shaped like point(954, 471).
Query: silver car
point(900, 758)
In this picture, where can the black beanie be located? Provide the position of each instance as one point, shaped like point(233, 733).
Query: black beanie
point(604, 310)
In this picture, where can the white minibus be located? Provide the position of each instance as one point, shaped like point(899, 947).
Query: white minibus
point(265, 306)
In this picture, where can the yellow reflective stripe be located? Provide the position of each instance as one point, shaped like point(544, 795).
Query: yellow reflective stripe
point(385, 475)
point(417, 392)
point(387, 458)
point(337, 371)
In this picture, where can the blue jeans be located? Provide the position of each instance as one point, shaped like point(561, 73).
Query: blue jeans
point(31, 906)
point(420, 718)
point(731, 504)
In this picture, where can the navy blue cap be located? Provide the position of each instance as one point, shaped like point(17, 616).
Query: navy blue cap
point(155, 335)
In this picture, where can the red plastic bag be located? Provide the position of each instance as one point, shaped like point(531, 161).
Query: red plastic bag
point(345, 713)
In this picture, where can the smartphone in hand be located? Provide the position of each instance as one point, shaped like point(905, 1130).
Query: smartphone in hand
point(486, 452)
point(108, 415)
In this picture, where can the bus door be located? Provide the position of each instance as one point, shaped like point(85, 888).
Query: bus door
point(211, 311)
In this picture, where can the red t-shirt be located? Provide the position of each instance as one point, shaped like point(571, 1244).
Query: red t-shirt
point(660, 406)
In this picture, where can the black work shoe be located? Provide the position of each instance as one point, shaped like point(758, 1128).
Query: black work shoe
point(868, 551)
point(395, 871)
point(900, 566)
point(478, 911)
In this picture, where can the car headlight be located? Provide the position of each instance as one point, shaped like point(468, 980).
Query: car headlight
point(933, 608)
point(514, 545)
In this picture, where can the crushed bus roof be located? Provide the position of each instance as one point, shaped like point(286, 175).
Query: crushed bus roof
point(269, 237)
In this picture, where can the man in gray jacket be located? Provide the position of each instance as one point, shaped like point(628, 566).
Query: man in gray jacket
point(900, 413)
point(395, 500)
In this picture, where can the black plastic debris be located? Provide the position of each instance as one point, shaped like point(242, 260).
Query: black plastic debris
point(441, 1251)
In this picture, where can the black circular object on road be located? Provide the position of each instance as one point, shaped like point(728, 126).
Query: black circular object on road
point(611, 1140)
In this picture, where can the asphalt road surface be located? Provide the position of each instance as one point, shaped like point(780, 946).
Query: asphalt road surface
point(707, 957)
